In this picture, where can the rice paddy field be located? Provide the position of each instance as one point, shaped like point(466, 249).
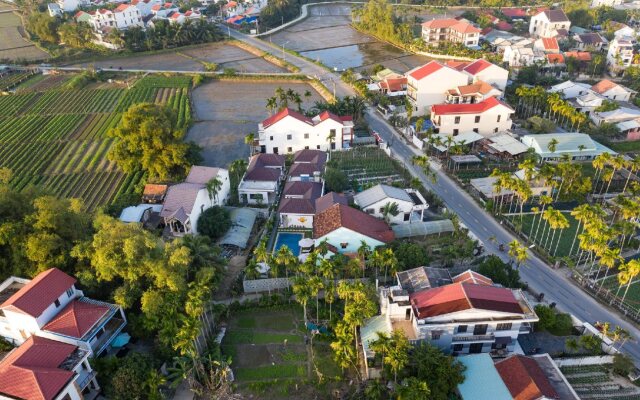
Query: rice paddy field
point(56, 138)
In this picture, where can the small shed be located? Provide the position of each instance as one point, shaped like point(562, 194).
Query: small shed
point(422, 228)
point(242, 221)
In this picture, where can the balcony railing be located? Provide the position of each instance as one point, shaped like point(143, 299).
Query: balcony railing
point(474, 338)
point(84, 378)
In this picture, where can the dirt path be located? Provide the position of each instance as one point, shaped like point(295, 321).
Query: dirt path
point(234, 268)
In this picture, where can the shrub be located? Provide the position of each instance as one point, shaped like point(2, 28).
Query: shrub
point(214, 222)
point(547, 317)
point(336, 180)
point(622, 365)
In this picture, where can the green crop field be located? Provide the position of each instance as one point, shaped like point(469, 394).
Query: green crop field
point(57, 139)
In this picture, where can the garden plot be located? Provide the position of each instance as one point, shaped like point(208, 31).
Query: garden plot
point(225, 112)
point(368, 166)
point(599, 382)
point(229, 56)
point(13, 45)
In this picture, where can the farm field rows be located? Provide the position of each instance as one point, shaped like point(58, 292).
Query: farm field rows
point(57, 139)
point(13, 45)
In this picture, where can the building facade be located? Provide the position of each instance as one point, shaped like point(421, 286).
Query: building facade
point(428, 85)
point(547, 23)
point(488, 117)
point(450, 30)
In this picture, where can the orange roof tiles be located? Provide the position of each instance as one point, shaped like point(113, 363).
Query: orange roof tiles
point(76, 319)
point(426, 70)
point(31, 371)
point(525, 379)
point(550, 44)
point(40, 293)
point(342, 216)
point(474, 108)
point(555, 58)
point(578, 55)
point(472, 277)
point(603, 86)
point(477, 66)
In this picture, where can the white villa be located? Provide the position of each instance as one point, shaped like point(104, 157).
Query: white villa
point(620, 53)
point(428, 85)
point(289, 131)
point(547, 23)
point(185, 201)
point(613, 91)
point(450, 30)
point(410, 203)
point(488, 117)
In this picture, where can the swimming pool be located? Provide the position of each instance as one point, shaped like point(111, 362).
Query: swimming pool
point(290, 240)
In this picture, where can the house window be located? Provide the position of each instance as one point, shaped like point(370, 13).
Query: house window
point(344, 245)
point(495, 130)
point(318, 147)
point(332, 133)
point(456, 120)
point(271, 138)
point(477, 119)
point(289, 137)
point(289, 149)
point(99, 334)
point(462, 328)
point(475, 130)
point(306, 147)
point(70, 292)
point(56, 303)
point(255, 196)
point(306, 136)
point(504, 327)
point(458, 347)
point(480, 329)
point(499, 117)
point(381, 210)
point(275, 150)
point(369, 211)
point(435, 335)
point(407, 216)
point(455, 132)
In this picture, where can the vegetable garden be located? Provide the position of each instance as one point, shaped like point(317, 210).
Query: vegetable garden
point(369, 166)
point(599, 382)
point(57, 139)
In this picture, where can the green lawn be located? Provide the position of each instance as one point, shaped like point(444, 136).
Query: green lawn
point(566, 236)
point(269, 372)
point(633, 295)
point(625, 147)
point(251, 336)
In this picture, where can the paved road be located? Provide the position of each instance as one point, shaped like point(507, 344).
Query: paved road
point(331, 80)
point(554, 284)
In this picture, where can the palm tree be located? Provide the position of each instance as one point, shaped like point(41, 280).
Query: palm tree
point(560, 222)
point(248, 140)
point(272, 105)
point(633, 166)
point(285, 258)
point(315, 286)
point(213, 187)
point(398, 352)
point(388, 210)
point(331, 138)
point(552, 145)
point(381, 345)
point(631, 270)
point(390, 263)
point(238, 167)
point(608, 259)
point(518, 253)
point(302, 291)
point(363, 253)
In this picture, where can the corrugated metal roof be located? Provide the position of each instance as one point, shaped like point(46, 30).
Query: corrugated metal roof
point(380, 192)
point(482, 381)
point(422, 228)
point(242, 220)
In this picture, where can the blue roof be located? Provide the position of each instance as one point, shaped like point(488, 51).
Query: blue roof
point(482, 381)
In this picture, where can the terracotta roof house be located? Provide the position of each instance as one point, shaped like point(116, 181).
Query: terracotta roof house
point(473, 93)
point(463, 314)
point(345, 227)
point(185, 201)
point(308, 165)
point(547, 45)
point(297, 206)
point(261, 182)
point(50, 306)
point(486, 118)
point(482, 70)
point(154, 193)
point(450, 30)
point(43, 369)
point(428, 84)
point(525, 379)
point(613, 91)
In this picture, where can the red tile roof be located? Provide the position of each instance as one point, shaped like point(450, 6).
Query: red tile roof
point(440, 23)
point(328, 200)
point(31, 371)
point(325, 115)
point(299, 169)
point(550, 43)
point(287, 112)
point(504, 26)
point(297, 206)
point(342, 216)
point(555, 58)
point(122, 7)
point(463, 296)
point(426, 70)
point(307, 190)
point(40, 293)
point(310, 156)
point(265, 167)
point(472, 277)
point(475, 108)
point(525, 379)
point(394, 84)
point(603, 86)
point(76, 319)
point(477, 66)
point(514, 12)
point(579, 55)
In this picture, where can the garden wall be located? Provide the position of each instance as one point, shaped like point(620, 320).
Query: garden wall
point(578, 361)
point(417, 142)
point(264, 285)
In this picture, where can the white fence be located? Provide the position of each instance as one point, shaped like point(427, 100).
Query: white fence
point(265, 285)
point(579, 361)
point(419, 143)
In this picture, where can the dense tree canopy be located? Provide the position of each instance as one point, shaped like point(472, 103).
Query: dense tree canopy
point(149, 139)
point(214, 222)
point(441, 372)
point(500, 272)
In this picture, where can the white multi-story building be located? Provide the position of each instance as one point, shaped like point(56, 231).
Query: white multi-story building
point(461, 314)
point(410, 203)
point(122, 17)
point(482, 70)
point(185, 201)
point(45, 369)
point(620, 53)
point(428, 85)
point(547, 23)
point(50, 306)
point(145, 6)
point(473, 93)
point(450, 30)
point(488, 117)
point(289, 131)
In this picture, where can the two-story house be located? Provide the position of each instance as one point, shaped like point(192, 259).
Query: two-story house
point(50, 306)
point(260, 185)
point(409, 202)
point(450, 30)
point(482, 70)
point(185, 201)
point(462, 314)
point(298, 204)
point(428, 85)
point(473, 93)
point(308, 165)
point(289, 131)
point(548, 23)
point(45, 369)
point(487, 117)
point(620, 54)
point(122, 18)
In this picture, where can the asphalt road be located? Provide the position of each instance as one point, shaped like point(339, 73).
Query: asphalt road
point(556, 286)
point(331, 80)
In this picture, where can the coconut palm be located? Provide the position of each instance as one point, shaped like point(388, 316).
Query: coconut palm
point(633, 166)
point(559, 222)
point(390, 263)
point(285, 258)
point(381, 345)
point(237, 168)
point(302, 291)
point(608, 259)
point(582, 214)
point(213, 187)
point(631, 271)
point(363, 253)
point(518, 253)
point(552, 145)
point(599, 163)
point(248, 140)
point(272, 105)
point(390, 210)
point(315, 286)
point(617, 163)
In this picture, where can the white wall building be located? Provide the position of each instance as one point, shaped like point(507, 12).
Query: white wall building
point(410, 203)
point(122, 18)
point(547, 23)
point(289, 131)
point(488, 117)
point(450, 30)
point(613, 91)
point(185, 201)
point(483, 70)
point(578, 146)
point(428, 85)
point(570, 89)
point(260, 185)
point(620, 53)
point(145, 6)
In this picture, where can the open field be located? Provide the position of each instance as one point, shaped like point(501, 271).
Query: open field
point(626, 147)
point(13, 45)
point(270, 358)
point(224, 112)
point(326, 35)
point(191, 59)
point(632, 298)
point(57, 139)
point(542, 239)
point(600, 382)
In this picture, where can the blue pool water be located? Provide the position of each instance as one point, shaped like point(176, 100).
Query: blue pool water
point(290, 240)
